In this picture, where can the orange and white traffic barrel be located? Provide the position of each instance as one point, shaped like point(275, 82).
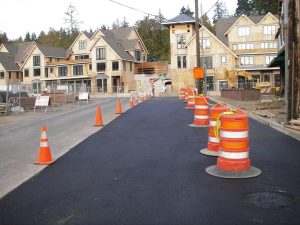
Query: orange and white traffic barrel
point(201, 112)
point(191, 99)
point(181, 93)
point(186, 95)
point(213, 141)
point(233, 160)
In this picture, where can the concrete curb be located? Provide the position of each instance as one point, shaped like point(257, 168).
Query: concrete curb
point(267, 122)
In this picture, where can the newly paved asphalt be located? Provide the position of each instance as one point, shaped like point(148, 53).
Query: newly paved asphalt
point(145, 168)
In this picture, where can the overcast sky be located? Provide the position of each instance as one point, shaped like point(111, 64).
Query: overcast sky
point(19, 16)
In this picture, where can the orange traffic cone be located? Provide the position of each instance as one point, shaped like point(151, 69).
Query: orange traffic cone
point(131, 103)
point(136, 100)
point(44, 157)
point(119, 107)
point(99, 122)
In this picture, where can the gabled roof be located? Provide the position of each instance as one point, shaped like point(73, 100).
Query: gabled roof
point(52, 51)
point(89, 35)
point(129, 44)
point(203, 27)
point(117, 46)
point(19, 50)
point(223, 25)
point(8, 62)
point(180, 19)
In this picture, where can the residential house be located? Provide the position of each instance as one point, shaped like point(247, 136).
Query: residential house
point(100, 61)
point(215, 56)
point(252, 39)
point(12, 57)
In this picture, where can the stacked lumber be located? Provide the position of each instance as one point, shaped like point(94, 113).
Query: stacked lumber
point(295, 125)
point(26, 102)
point(2, 108)
point(60, 97)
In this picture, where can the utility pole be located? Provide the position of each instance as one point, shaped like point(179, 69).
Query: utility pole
point(199, 82)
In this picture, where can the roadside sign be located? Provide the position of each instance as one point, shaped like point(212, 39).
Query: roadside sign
point(83, 96)
point(198, 72)
point(42, 101)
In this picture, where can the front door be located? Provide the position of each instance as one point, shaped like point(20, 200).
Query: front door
point(102, 85)
point(115, 83)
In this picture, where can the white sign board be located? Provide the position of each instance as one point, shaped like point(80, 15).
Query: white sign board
point(83, 96)
point(42, 101)
point(62, 88)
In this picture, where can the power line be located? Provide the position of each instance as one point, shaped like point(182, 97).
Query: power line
point(127, 6)
point(150, 14)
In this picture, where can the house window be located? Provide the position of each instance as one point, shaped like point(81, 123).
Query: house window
point(9, 75)
point(62, 71)
point(51, 70)
point(26, 73)
point(244, 46)
point(206, 62)
point(46, 72)
point(36, 72)
point(268, 45)
point(124, 65)
point(266, 77)
point(115, 66)
point(101, 67)
point(234, 46)
point(247, 60)
point(130, 66)
point(269, 58)
point(100, 53)
point(269, 29)
point(78, 70)
point(81, 57)
point(181, 41)
point(90, 66)
point(1, 75)
point(181, 61)
point(36, 60)
point(243, 31)
point(205, 43)
point(138, 55)
point(82, 45)
point(223, 59)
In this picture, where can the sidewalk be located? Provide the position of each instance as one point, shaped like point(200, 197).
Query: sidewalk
point(145, 168)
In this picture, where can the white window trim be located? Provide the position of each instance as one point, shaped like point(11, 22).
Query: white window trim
point(243, 31)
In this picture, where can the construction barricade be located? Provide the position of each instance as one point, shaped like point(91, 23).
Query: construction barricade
point(233, 160)
point(181, 93)
point(201, 112)
point(190, 99)
point(213, 141)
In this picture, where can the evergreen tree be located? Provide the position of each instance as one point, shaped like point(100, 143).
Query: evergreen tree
point(244, 7)
point(103, 27)
point(220, 11)
point(27, 37)
point(262, 7)
point(33, 37)
point(3, 38)
point(208, 24)
point(186, 11)
point(116, 24)
point(124, 23)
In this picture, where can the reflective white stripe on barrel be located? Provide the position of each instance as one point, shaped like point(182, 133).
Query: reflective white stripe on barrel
point(43, 135)
point(201, 107)
point(212, 123)
point(44, 144)
point(213, 139)
point(233, 155)
point(200, 117)
point(230, 134)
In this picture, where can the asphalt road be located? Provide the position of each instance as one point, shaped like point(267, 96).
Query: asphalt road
point(20, 141)
point(145, 168)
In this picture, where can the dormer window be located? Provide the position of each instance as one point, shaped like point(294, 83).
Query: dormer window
point(269, 29)
point(205, 43)
point(181, 40)
point(82, 45)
